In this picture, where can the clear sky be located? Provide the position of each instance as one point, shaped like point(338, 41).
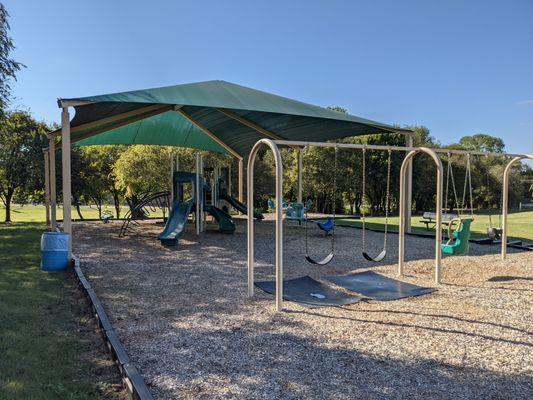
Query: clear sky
point(458, 67)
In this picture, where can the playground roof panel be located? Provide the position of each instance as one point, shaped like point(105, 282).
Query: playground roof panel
point(214, 115)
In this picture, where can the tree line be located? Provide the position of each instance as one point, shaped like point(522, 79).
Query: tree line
point(322, 182)
point(117, 176)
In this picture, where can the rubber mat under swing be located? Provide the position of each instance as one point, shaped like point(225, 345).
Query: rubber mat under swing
point(378, 287)
point(309, 292)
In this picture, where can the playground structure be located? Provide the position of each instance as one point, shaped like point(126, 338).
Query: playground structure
point(205, 197)
point(215, 200)
point(184, 203)
point(404, 202)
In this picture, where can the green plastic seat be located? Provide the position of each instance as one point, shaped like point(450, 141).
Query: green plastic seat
point(461, 236)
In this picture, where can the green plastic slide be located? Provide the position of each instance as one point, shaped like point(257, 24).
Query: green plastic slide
point(176, 222)
point(225, 222)
point(241, 207)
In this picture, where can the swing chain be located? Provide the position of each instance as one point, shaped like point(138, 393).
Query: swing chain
point(387, 199)
point(334, 197)
point(449, 176)
point(468, 178)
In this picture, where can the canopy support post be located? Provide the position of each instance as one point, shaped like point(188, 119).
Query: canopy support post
point(65, 167)
point(505, 205)
point(279, 221)
point(229, 180)
point(47, 187)
point(53, 191)
point(201, 192)
point(438, 211)
point(172, 194)
point(241, 179)
point(197, 195)
point(300, 170)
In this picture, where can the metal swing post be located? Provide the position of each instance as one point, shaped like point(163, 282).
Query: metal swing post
point(438, 211)
point(279, 221)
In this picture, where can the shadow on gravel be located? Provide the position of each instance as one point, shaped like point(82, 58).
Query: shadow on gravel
point(284, 366)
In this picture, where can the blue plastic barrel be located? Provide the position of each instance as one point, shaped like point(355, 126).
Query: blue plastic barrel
point(54, 251)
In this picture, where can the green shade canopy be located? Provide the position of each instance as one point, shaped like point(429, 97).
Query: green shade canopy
point(214, 115)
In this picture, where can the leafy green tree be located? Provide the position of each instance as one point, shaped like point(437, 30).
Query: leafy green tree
point(141, 170)
point(22, 139)
point(8, 66)
point(99, 180)
point(482, 142)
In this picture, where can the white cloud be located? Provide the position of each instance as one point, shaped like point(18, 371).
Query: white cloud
point(525, 102)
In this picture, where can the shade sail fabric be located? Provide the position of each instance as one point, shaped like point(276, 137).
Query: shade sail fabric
point(214, 115)
point(166, 129)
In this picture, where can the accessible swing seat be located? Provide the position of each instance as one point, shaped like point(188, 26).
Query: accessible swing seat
point(459, 239)
point(458, 244)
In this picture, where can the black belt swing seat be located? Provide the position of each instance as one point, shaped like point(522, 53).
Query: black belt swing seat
point(329, 257)
point(381, 256)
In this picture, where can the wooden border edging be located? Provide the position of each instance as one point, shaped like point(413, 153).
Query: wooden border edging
point(132, 380)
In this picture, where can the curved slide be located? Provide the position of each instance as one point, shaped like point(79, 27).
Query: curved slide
point(241, 207)
point(175, 223)
point(225, 222)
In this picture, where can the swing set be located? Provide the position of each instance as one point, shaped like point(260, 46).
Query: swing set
point(457, 235)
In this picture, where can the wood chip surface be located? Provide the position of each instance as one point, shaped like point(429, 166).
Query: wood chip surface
point(185, 321)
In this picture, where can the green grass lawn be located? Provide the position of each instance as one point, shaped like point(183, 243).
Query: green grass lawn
point(48, 347)
point(520, 224)
point(29, 213)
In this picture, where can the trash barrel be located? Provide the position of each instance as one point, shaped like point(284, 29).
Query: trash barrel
point(54, 251)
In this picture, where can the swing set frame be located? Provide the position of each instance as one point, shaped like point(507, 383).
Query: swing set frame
point(411, 152)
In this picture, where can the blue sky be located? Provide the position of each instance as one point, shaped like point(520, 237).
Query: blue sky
point(458, 67)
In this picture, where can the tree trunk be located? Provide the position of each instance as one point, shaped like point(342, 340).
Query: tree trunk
point(77, 205)
point(116, 201)
point(9, 197)
point(78, 210)
point(98, 203)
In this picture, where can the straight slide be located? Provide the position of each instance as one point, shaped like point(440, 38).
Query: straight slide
point(176, 222)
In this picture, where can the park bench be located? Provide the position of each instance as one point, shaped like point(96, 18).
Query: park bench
point(429, 218)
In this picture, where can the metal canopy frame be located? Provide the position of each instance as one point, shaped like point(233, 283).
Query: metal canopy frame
point(404, 200)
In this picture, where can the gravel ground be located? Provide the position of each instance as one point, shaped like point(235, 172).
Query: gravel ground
point(184, 319)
